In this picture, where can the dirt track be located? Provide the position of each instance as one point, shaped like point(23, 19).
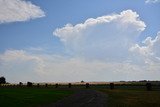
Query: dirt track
point(83, 98)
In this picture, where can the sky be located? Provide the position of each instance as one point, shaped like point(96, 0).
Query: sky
point(70, 41)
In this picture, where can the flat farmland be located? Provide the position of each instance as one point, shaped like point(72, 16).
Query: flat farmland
point(123, 95)
point(30, 97)
point(133, 96)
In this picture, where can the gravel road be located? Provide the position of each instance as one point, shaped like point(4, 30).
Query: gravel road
point(83, 98)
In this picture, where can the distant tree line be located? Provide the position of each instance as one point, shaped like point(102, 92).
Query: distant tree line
point(146, 83)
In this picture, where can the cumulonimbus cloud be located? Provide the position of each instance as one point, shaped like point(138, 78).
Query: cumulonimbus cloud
point(18, 10)
point(107, 37)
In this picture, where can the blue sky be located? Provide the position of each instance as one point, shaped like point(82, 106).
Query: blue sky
point(34, 38)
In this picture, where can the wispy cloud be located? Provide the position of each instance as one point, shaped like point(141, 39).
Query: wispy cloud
point(18, 10)
point(152, 1)
point(20, 65)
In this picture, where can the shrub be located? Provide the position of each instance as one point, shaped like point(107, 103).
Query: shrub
point(149, 86)
point(56, 86)
point(111, 86)
point(38, 85)
point(87, 85)
point(20, 83)
point(46, 85)
point(2, 80)
point(69, 85)
point(29, 84)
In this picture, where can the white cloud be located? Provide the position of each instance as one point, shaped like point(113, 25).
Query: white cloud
point(108, 37)
point(18, 10)
point(100, 49)
point(20, 65)
point(152, 1)
point(150, 50)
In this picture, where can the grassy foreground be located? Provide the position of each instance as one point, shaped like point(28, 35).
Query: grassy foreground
point(132, 98)
point(28, 97)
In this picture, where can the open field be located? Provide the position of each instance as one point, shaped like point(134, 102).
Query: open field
point(124, 95)
point(132, 98)
point(29, 97)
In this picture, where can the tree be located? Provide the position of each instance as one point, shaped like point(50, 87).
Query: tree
point(29, 84)
point(87, 85)
point(111, 86)
point(82, 81)
point(38, 85)
point(46, 85)
point(20, 83)
point(56, 86)
point(69, 85)
point(149, 86)
point(2, 80)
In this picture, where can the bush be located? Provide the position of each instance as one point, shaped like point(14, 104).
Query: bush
point(56, 86)
point(87, 85)
point(38, 85)
point(20, 83)
point(2, 80)
point(149, 86)
point(29, 84)
point(46, 85)
point(69, 85)
point(111, 86)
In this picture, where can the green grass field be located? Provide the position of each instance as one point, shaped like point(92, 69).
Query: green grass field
point(132, 98)
point(121, 96)
point(29, 97)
